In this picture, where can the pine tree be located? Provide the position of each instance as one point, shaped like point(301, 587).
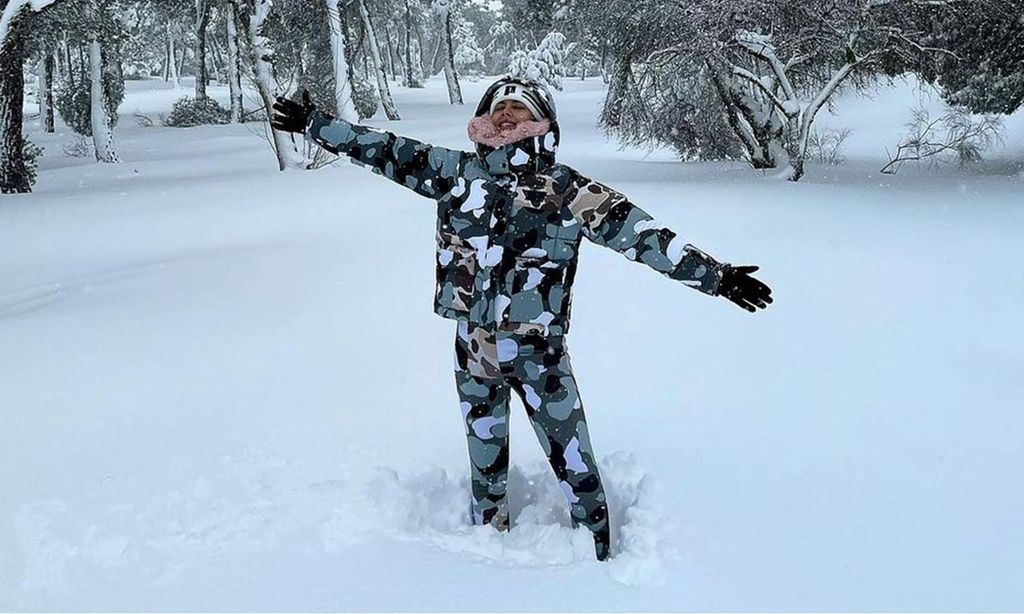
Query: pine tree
point(982, 67)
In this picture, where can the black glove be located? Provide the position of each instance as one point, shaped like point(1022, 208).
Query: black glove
point(739, 287)
point(290, 116)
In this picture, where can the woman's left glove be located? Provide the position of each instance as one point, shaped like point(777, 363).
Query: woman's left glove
point(739, 287)
point(290, 116)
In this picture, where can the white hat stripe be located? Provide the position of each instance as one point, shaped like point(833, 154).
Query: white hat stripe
point(515, 91)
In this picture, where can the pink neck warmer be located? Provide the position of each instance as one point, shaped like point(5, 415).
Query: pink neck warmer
point(482, 131)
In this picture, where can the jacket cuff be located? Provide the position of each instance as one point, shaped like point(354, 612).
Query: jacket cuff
point(699, 271)
point(314, 123)
point(323, 130)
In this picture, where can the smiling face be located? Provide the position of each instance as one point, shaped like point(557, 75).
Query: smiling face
point(508, 114)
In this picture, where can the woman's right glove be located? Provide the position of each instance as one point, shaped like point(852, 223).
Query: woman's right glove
point(739, 287)
point(290, 116)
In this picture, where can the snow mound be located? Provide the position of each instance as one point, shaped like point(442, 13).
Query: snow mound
point(256, 501)
point(432, 506)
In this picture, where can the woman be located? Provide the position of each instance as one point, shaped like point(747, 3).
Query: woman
point(509, 224)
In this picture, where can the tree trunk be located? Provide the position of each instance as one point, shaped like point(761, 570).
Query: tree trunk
point(344, 106)
point(216, 60)
point(46, 93)
point(391, 54)
point(604, 58)
point(807, 115)
point(611, 111)
point(202, 21)
point(450, 76)
point(418, 55)
point(182, 60)
point(102, 135)
point(302, 66)
point(351, 50)
point(234, 67)
point(172, 58)
point(438, 45)
point(759, 129)
point(70, 62)
point(408, 45)
point(14, 177)
point(58, 70)
point(378, 65)
point(288, 156)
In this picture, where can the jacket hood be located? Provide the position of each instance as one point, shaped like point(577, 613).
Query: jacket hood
point(540, 148)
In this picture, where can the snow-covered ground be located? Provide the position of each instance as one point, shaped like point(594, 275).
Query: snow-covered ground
point(222, 387)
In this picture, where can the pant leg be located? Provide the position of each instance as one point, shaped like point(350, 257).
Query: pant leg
point(544, 380)
point(484, 404)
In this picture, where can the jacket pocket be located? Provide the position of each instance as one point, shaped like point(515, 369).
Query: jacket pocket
point(456, 270)
point(536, 288)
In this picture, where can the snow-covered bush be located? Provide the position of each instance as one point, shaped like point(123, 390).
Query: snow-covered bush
point(31, 154)
point(188, 112)
point(468, 56)
point(139, 70)
point(519, 63)
point(79, 147)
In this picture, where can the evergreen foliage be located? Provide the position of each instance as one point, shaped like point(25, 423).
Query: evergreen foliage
point(72, 96)
point(982, 68)
point(188, 112)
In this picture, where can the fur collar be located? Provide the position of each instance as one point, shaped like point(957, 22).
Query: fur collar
point(482, 131)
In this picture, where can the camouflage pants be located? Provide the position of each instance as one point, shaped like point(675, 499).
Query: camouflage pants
point(487, 365)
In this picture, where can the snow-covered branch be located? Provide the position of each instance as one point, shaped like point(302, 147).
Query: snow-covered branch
point(790, 108)
point(761, 47)
point(13, 9)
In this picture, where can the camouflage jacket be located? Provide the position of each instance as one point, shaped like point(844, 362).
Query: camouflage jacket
point(510, 222)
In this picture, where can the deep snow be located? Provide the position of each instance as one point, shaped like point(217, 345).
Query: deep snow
point(222, 387)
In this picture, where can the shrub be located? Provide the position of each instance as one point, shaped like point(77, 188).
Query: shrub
point(826, 146)
point(364, 96)
point(188, 112)
point(74, 103)
point(80, 147)
point(31, 153)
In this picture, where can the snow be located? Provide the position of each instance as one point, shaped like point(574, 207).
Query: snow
point(222, 387)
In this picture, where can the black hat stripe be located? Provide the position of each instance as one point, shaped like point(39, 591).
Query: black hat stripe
point(529, 91)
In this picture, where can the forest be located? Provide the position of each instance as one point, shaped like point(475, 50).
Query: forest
point(712, 79)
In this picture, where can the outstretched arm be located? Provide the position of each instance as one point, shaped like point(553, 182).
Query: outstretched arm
point(426, 169)
point(609, 219)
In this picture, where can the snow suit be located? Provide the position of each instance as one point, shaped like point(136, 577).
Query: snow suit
point(537, 368)
point(509, 225)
